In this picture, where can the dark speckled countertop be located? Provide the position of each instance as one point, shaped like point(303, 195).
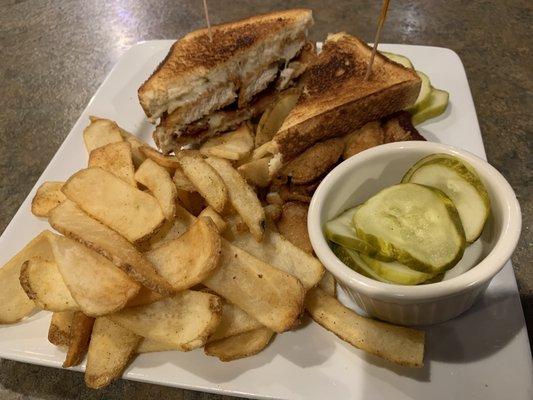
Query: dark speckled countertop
point(55, 54)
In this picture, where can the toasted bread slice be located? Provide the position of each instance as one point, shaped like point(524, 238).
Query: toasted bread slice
point(226, 65)
point(336, 99)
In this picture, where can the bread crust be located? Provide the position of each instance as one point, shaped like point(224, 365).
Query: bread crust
point(336, 100)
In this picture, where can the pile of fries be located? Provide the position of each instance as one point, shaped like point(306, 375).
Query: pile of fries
point(175, 253)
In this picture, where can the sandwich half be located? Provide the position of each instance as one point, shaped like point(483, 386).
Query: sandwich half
point(203, 86)
point(336, 99)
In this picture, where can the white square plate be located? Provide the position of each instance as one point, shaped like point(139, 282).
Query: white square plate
point(483, 354)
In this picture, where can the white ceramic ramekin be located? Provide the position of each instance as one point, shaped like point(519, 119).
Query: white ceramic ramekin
point(363, 175)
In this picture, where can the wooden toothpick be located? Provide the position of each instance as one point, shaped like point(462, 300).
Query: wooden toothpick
point(207, 20)
point(381, 21)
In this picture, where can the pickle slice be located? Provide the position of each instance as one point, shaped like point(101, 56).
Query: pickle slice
point(460, 183)
point(396, 272)
point(340, 230)
point(414, 224)
point(435, 106)
point(353, 260)
point(397, 58)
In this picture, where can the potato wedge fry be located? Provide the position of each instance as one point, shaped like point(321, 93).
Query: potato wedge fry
point(183, 262)
point(314, 162)
point(256, 172)
point(293, 225)
point(273, 117)
point(274, 198)
point(80, 335)
point(269, 295)
point(136, 154)
point(400, 345)
point(163, 160)
point(14, 303)
point(95, 283)
point(283, 255)
point(60, 326)
point(71, 221)
point(152, 346)
point(143, 297)
point(171, 229)
point(131, 212)
point(182, 182)
point(328, 284)
point(184, 321)
point(268, 149)
point(370, 135)
point(273, 212)
point(110, 350)
point(233, 322)
point(115, 158)
point(243, 345)
point(158, 181)
point(234, 146)
point(241, 196)
point(43, 283)
point(215, 217)
point(48, 196)
point(205, 179)
point(193, 202)
point(100, 132)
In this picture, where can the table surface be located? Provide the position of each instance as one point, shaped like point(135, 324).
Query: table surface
point(54, 55)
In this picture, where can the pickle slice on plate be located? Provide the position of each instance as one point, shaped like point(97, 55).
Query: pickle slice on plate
point(396, 272)
point(424, 96)
point(434, 106)
point(414, 224)
point(460, 183)
point(353, 260)
point(397, 58)
point(340, 230)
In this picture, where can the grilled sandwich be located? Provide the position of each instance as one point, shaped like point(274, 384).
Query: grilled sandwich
point(336, 100)
point(203, 87)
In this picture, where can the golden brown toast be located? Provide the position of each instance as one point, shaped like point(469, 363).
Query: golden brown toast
point(336, 99)
point(195, 66)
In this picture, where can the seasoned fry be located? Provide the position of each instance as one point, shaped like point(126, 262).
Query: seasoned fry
point(171, 229)
point(234, 146)
point(215, 217)
point(281, 254)
point(184, 321)
point(328, 284)
point(80, 335)
point(136, 154)
point(397, 344)
point(273, 212)
point(115, 158)
point(14, 303)
point(269, 295)
point(143, 297)
point(233, 322)
point(293, 225)
point(74, 223)
point(97, 285)
point(205, 179)
point(163, 160)
point(242, 197)
point(43, 283)
point(273, 117)
point(370, 135)
point(60, 326)
point(100, 132)
point(193, 202)
point(314, 162)
point(131, 212)
point(48, 196)
point(256, 172)
point(158, 181)
point(182, 182)
point(152, 346)
point(182, 262)
point(242, 345)
point(110, 350)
